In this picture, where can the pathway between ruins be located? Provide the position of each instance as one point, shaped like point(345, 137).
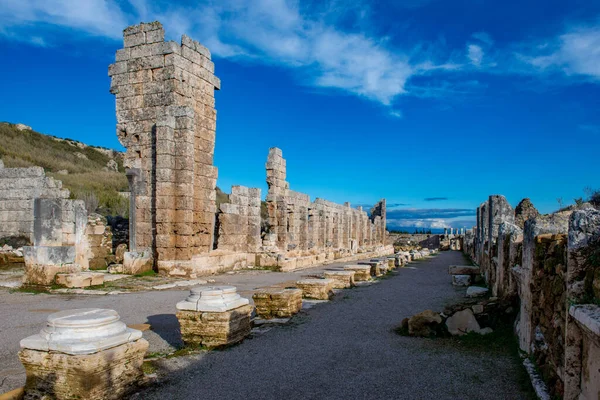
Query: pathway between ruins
point(341, 349)
point(346, 349)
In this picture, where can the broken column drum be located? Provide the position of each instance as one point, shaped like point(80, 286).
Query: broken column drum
point(214, 316)
point(83, 353)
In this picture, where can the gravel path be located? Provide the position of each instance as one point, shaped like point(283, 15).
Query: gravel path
point(345, 349)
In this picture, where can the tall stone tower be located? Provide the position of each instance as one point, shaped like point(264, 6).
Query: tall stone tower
point(166, 119)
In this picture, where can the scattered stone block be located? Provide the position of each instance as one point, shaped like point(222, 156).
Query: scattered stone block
point(214, 316)
point(277, 303)
point(476, 291)
point(463, 270)
point(80, 279)
point(424, 323)
point(84, 354)
point(477, 308)
point(137, 262)
point(461, 280)
point(342, 279)
point(361, 272)
point(462, 323)
point(318, 289)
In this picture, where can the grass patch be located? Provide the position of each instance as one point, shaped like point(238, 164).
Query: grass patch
point(30, 290)
point(148, 367)
point(146, 274)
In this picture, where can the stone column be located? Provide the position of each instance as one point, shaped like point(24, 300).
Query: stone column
point(84, 354)
point(132, 177)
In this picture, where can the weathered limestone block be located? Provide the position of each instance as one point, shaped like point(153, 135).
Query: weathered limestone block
point(342, 279)
point(424, 324)
point(80, 279)
point(43, 263)
point(462, 323)
point(137, 262)
point(361, 272)
point(476, 291)
point(277, 302)
point(525, 210)
point(463, 270)
point(375, 267)
point(318, 289)
point(214, 316)
point(461, 280)
point(83, 354)
point(587, 318)
point(510, 240)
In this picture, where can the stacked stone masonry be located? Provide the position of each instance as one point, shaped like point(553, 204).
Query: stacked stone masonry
point(166, 119)
point(297, 226)
point(544, 260)
point(18, 189)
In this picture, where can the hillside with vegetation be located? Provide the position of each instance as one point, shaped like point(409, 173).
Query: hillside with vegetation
point(93, 174)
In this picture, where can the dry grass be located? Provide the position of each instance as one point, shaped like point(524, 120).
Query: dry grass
point(86, 179)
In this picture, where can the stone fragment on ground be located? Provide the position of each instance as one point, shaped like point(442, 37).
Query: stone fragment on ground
point(461, 280)
point(476, 291)
point(462, 323)
point(424, 324)
point(463, 270)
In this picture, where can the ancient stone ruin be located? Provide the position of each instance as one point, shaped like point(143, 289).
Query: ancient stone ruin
point(543, 261)
point(166, 119)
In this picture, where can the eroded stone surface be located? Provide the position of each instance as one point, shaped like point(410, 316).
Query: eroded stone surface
point(213, 299)
point(318, 289)
point(342, 279)
point(462, 323)
point(104, 375)
point(215, 329)
point(361, 272)
point(277, 302)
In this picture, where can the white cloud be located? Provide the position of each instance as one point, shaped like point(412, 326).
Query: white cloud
point(475, 54)
point(97, 17)
point(576, 52)
point(396, 114)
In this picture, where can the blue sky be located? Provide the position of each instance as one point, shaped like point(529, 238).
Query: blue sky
point(432, 104)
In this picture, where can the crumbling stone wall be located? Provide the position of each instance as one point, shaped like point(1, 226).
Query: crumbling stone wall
point(166, 120)
point(239, 221)
point(100, 241)
point(554, 264)
point(582, 337)
point(548, 315)
point(297, 226)
point(18, 189)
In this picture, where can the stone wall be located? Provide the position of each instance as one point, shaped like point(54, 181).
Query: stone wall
point(167, 121)
point(239, 221)
point(18, 189)
point(551, 262)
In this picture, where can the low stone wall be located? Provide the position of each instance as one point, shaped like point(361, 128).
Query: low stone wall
point(551, 263)
point(219, 261)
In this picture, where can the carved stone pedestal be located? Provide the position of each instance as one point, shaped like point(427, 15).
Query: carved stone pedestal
point(318, 289)
point(83, 354)
point(361, 272)
point(277, 303)
point(341, 279)
point(214, 316)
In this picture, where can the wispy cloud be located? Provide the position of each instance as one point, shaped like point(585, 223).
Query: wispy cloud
point(475, 54)
point(435, 198)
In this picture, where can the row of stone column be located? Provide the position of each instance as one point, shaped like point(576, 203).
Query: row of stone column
point(296, 224)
